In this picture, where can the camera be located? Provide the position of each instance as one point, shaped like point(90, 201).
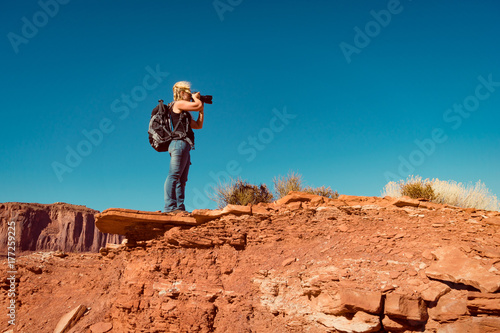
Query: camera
point(205, 98)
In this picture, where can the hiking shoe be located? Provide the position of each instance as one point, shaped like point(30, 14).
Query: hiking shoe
point(177, 212)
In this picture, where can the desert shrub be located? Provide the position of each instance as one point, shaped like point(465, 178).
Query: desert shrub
point(448, 192)
point(240, 192)
point(293, 182)
point(418, 188)
point(283, 185)
point(323, 191)
point(414, 187)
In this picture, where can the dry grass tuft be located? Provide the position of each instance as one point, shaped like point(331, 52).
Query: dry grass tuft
point(446, 192)
point(467, 196)
point(293, 182)
point(284, 184)
point(323, 191)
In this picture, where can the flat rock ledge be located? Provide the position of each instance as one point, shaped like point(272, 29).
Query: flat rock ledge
point(144, 225)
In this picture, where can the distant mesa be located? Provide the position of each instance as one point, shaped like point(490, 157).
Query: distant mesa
point(52, 227)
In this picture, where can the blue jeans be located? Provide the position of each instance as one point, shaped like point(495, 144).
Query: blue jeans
point(175, 183)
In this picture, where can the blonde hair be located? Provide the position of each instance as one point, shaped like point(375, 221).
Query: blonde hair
point(181, 86)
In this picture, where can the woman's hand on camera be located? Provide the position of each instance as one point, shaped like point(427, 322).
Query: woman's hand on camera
point(196, 95)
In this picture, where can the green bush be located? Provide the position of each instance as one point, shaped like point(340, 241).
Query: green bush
point(240, 192)
point(293, 182)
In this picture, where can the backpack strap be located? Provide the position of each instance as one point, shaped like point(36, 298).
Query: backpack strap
point(161, 110)
point(166, 111)
point(170, 107)
point(188, 140)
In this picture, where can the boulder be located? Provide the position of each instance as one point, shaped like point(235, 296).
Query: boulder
point(259, 210)
point(294, 205)
point(237, 210)
point(352, 300)
point(405, 201)
point(450, 307)
point(454, 266)
point(433, 291)
point(205, 215)
point(297, 196)
point(405, 307)
point(101, 327)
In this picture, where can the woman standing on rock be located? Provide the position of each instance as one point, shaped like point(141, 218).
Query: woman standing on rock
point(180, 159)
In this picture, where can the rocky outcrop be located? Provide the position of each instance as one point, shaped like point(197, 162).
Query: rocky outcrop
point(306, 263)
point(139, 225)
point(51, 227)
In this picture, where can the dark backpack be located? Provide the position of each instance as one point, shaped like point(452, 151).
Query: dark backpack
point(161, 131)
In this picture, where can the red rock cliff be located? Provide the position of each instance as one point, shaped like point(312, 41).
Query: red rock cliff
point(57, 226)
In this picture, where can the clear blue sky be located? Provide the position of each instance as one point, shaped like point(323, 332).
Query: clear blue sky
point(350, 94)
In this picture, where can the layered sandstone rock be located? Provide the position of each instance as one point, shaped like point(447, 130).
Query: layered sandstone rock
point(51, 227)
point(308, 264)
